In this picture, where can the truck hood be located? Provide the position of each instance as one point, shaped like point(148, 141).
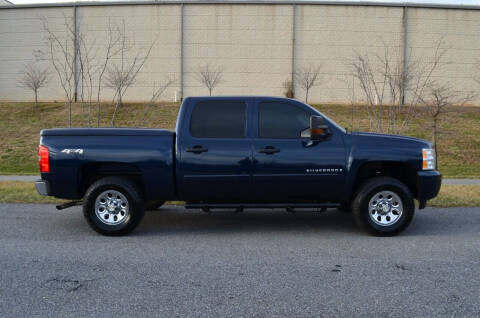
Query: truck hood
point(391, 139)
point(105, 132)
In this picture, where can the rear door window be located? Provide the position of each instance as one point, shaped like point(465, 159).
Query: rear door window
point(219, 119)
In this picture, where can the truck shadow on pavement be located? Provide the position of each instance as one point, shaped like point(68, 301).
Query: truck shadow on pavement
point(166, 221)
point(171, 221)
point(176, 220)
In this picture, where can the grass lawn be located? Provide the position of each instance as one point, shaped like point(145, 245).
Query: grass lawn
point(20, 123)
point(450, 195)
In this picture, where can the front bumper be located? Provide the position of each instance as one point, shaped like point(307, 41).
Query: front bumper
point(428, 184)
point(43, 188)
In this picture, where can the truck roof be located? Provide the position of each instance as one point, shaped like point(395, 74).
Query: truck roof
point(243, 97)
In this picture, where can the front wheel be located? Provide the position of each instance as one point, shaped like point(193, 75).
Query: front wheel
point(383, 206)
point(113, 206)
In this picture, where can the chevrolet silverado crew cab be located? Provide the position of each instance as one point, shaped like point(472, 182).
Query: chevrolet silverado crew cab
point(237, 153)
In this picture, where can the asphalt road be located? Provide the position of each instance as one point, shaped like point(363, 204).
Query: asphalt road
point(258, 263)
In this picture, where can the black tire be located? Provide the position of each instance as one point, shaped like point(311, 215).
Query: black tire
point(360, 206)
point(136, 209)
point(154, 204)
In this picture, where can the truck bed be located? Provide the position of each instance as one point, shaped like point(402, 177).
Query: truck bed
point(78, 154)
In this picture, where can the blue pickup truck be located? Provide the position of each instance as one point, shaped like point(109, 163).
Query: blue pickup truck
point(238, 153)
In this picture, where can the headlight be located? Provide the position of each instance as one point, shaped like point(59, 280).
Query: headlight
point(428, 159)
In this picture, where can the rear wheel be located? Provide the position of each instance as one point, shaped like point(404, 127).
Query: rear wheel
point(113, 206)
point(383, 206)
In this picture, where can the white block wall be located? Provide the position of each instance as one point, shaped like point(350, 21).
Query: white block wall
point(22, 33)
point(251, 42)
point(329, 35)
point(460, 34)
point(144, 25)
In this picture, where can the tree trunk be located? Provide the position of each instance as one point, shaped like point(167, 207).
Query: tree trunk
point(66, 111)
point(89, 114)
point(353, 110)
point(306, 96)
point(435, 123)
point(98, 113)
point(36, 98)
point(117, 106)
point(114, 114)
point(210, 91)
point(83, 113)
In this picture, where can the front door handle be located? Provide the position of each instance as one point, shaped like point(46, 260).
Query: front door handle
point(269, 150)
point(196, 149)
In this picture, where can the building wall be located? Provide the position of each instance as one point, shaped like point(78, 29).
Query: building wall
point(21, 37)
point(144, 26)
point(252, 43)
point(459, 33)
point(330, 35)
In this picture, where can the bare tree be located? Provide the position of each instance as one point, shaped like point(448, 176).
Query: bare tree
point(71, 48)
point(34, 78)
point(123, 74)
point(157, 92)
point(307, 77)
point(439, 100)
point(86, 60)
point(350, 83)
point(62, 51)
point(209, 76)
point(363, 70)
point(394, 89)
point(112, 48)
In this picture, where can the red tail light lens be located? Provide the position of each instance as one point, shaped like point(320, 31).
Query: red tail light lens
point(43, 159)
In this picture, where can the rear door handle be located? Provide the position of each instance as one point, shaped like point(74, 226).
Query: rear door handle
point(269, 150)
point(196, 149)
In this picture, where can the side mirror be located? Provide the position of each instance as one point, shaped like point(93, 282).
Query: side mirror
point(318, 129)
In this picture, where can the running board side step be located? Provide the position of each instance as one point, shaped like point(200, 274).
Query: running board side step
point(238, 207)
point(68, 205)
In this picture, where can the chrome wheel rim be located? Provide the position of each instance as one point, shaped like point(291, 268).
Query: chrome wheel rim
point(385, 208)
point(111, 207)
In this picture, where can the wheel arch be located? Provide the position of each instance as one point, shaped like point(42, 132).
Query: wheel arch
point(92, 172)
point(398, 170)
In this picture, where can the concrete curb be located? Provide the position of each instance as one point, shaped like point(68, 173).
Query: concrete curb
point(19, 178)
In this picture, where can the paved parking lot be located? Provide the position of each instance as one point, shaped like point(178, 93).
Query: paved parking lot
point(258, 263)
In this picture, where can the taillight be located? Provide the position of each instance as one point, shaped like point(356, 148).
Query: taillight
point(43, 159)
